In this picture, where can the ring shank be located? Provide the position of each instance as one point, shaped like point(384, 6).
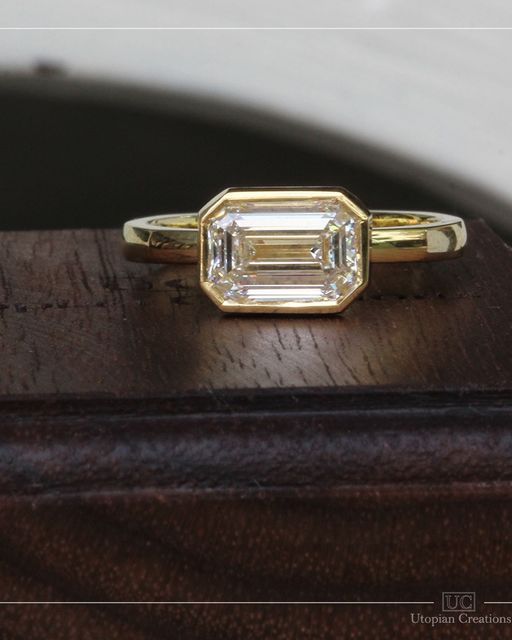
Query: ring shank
point(401, 236)
point(396, 236)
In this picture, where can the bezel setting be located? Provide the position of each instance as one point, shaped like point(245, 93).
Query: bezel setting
point(284, 250)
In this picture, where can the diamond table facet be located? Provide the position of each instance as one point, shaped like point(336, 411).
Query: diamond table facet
point(288, 251)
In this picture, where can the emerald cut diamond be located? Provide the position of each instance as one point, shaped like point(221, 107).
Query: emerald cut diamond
point(283, 250)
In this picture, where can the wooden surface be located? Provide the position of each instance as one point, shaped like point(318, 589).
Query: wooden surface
point(152, 449)
point(77, 319)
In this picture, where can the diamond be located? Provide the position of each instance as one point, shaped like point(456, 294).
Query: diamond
point(283, 250)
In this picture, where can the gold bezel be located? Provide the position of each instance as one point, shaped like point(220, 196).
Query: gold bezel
point(212, 208)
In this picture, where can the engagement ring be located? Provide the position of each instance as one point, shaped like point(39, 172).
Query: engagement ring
point(290, 250)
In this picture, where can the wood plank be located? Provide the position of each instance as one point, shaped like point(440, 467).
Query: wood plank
point(77, 319)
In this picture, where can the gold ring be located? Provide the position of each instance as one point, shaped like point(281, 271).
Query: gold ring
point(290, 250)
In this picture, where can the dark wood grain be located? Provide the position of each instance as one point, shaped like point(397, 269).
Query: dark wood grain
point(78, 319)
point(152, 449)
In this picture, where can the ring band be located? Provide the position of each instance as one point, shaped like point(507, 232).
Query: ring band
point(396, 236)
point(290, 250)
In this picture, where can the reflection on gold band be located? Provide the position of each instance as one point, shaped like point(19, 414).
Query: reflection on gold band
point(396, 236)
point(400, 236)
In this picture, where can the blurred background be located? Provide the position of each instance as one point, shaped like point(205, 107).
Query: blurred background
point(122, 108)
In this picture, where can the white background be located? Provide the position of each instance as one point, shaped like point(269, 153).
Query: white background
point(441, 96)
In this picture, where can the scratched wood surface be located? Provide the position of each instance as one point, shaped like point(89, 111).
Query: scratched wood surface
point(154, 450)
point(77, 318)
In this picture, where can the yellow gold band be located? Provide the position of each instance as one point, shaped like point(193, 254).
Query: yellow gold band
point(396, 236)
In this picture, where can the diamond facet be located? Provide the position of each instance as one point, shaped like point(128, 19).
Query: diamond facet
point(283, 250)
